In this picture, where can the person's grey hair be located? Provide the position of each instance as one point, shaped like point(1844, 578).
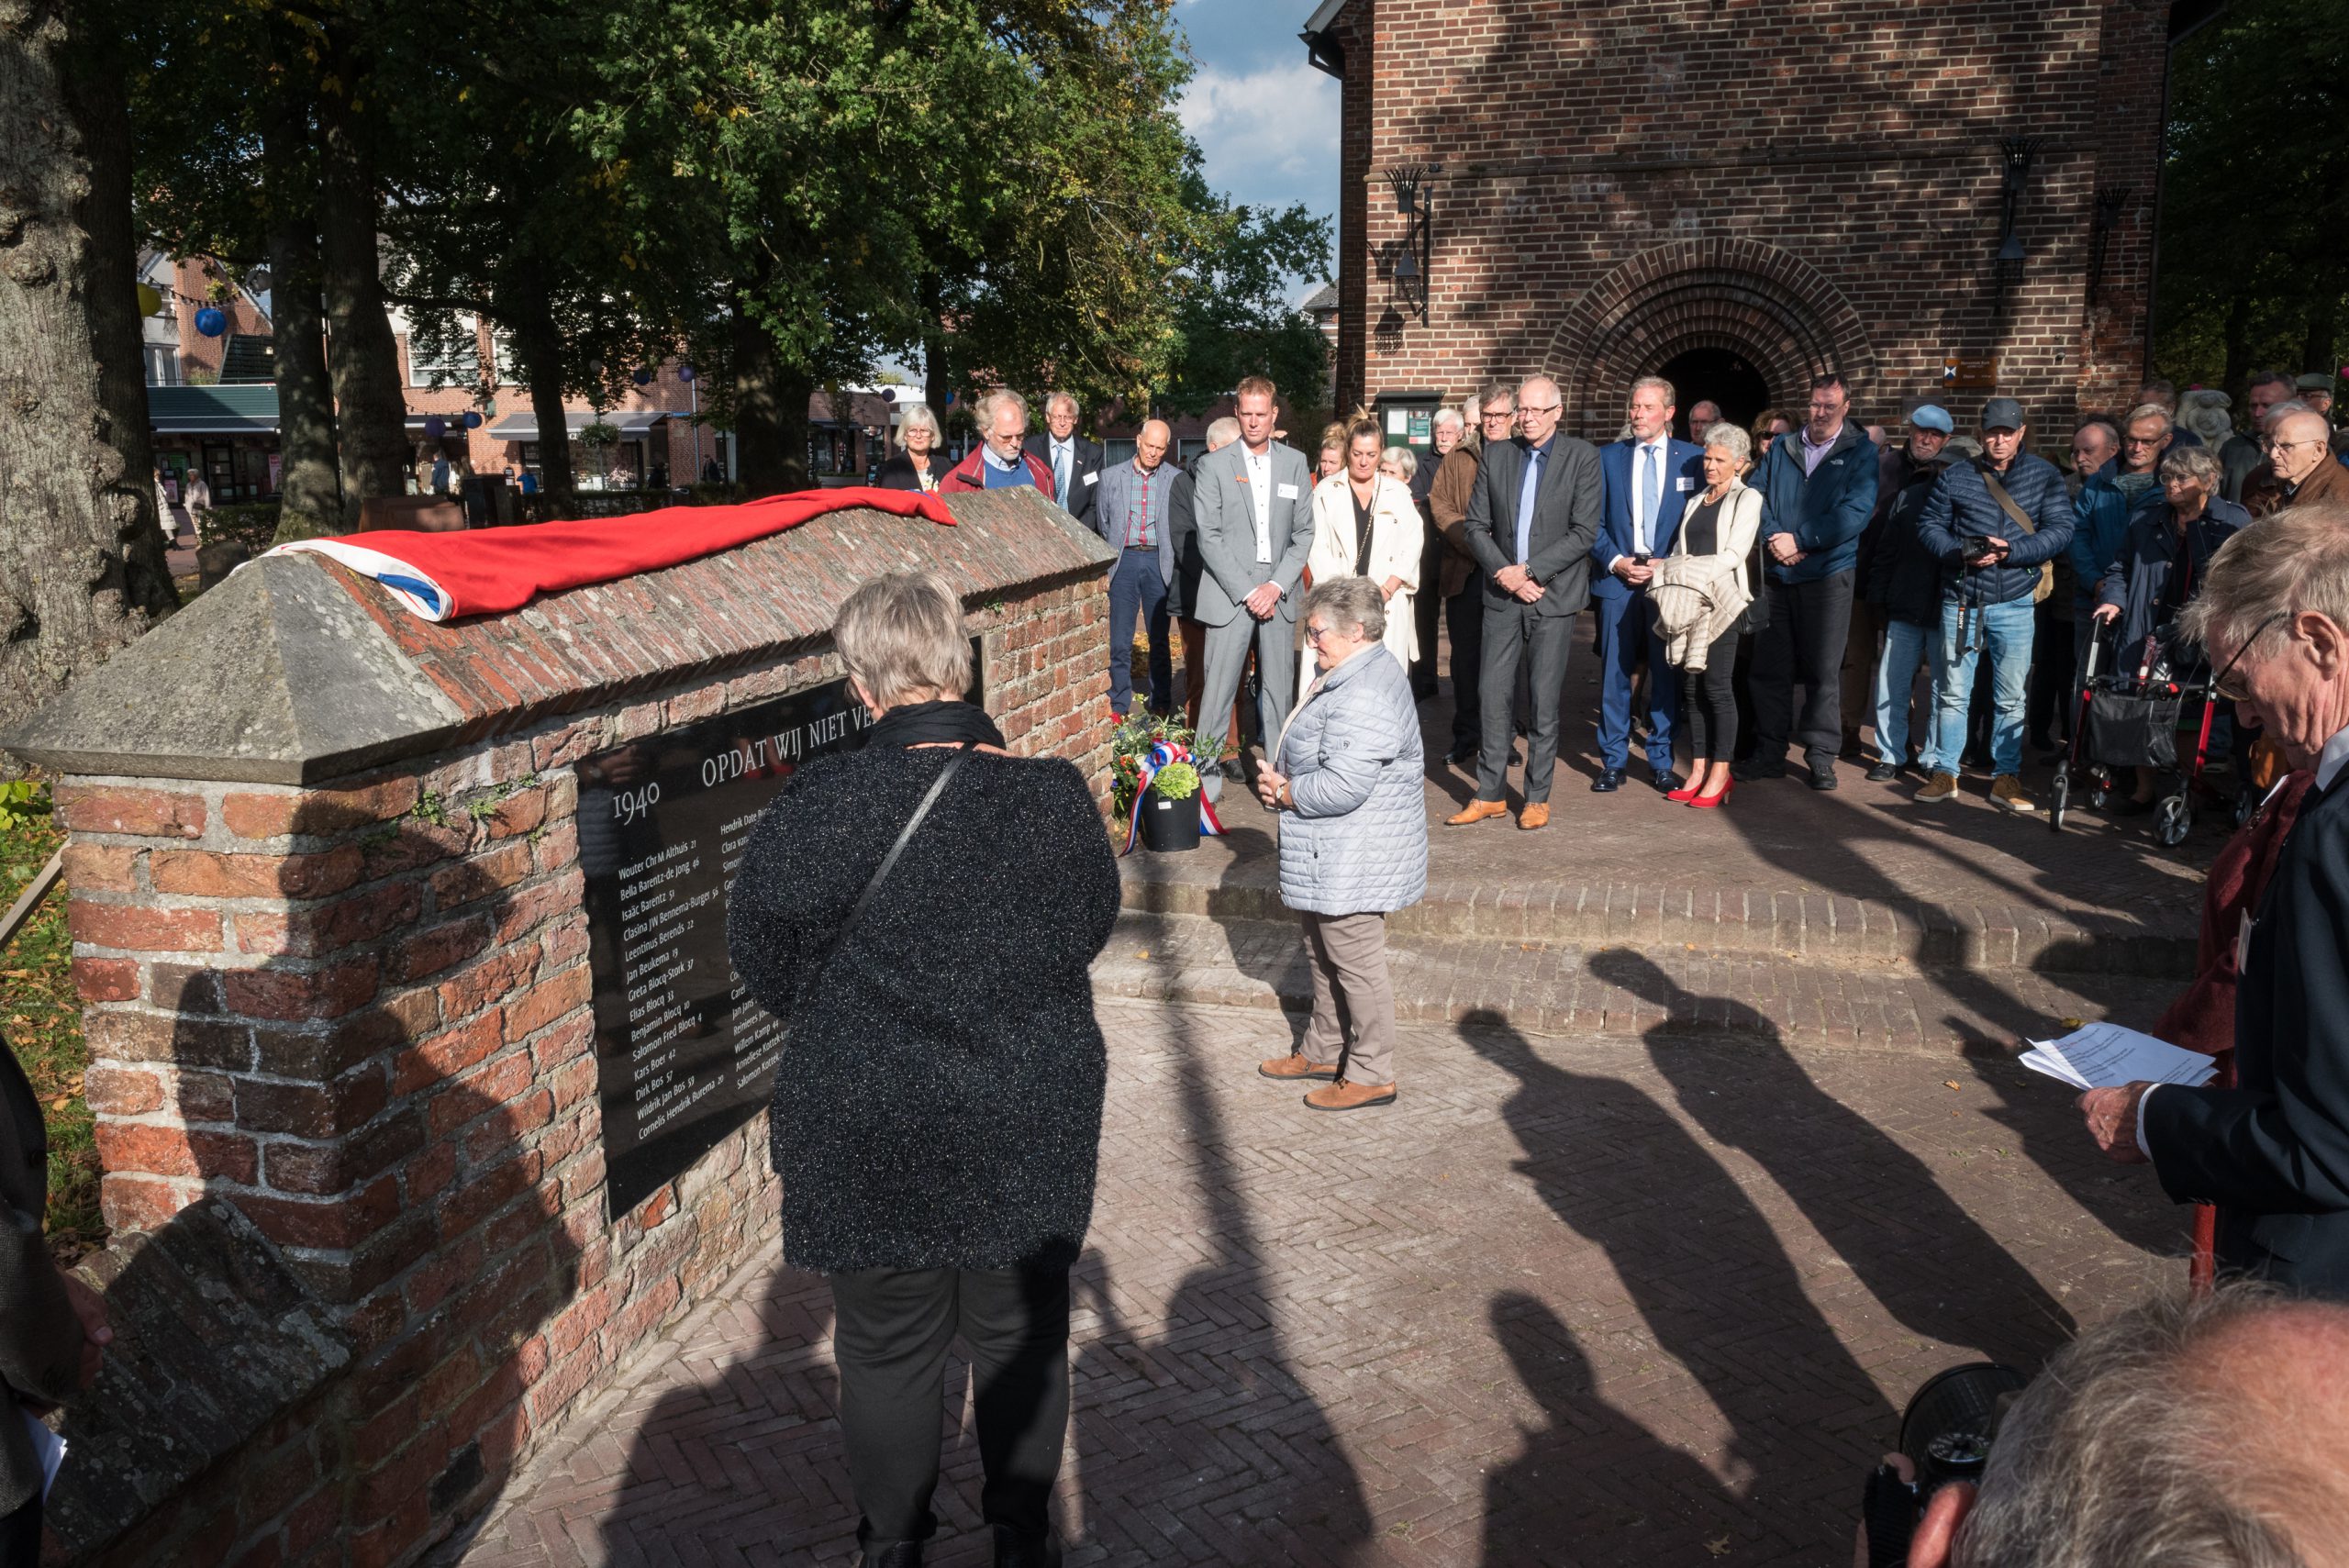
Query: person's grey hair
point(1447, 414)
point(2149, 411)
point(1731, 438)
point(1505, 395)
point(1405, 458)
point(1671, 393)
point(1069, 398)
point(1349, 601)
point(2191, 463)
point(2285, 409)
point(917, 416)
point(902, 635)
point(2295, 561)
point(1222, 432)
point(2127, 1449)
point(1001, 397)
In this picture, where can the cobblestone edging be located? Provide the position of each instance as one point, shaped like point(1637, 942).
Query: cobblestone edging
point(1811, 927)
point(1556, 990)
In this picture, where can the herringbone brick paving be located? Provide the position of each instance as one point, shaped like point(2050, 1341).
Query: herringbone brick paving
point(1629, 1298)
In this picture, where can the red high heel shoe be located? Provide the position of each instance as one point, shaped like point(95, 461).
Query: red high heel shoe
point(1685, 794)
point(1707, 802)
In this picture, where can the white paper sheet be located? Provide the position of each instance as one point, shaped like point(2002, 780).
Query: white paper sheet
point(2106, 1056)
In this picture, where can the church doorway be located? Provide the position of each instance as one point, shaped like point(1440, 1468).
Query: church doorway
point(1722, 376)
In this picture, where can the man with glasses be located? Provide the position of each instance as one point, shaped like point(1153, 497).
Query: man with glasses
point(2300, 451)
point(1531, 518)
point(2115, 491)
point(2242, 454)
point(1819, 488)
point(1462, 578)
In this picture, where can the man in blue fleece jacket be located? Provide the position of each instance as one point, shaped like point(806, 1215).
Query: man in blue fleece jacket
point(1818, 490)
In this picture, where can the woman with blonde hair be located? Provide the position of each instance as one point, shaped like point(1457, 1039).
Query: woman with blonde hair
point(923, 461)
point(1366, 524)
point(1334, 449)
point(1701, 593)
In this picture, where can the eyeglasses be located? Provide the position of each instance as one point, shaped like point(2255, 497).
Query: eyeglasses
point(2287, 446)
point(1501, 414)
point(1314, 634)
point(1541, 409)
point(2219, 682)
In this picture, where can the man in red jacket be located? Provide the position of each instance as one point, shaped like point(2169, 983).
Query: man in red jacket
point(1000, 463)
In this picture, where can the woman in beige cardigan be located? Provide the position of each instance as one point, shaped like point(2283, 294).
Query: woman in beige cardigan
point(1700, 593)
point(1366, 525)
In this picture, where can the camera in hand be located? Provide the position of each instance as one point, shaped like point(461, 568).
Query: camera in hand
point(1946, 1434)
point(1978, 546)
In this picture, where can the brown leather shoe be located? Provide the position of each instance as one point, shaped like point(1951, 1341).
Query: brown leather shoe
point(1344, 1097)
point(1535, 815)
point(1296, 1064)
point(1477, 811)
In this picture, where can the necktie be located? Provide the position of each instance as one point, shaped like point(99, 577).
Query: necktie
point(1059, 471)
point(1525, 493)
point(1651, 487)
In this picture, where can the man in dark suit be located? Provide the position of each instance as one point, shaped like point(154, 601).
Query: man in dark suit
point(1650, 479)
point(1530, 521)
point(2271, 1154)
point(1075, 463)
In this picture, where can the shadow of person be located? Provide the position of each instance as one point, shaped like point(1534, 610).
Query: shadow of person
point(1709, 1277)
point(1208, 1422)
point(1593, 1485)
point(1930, 1263)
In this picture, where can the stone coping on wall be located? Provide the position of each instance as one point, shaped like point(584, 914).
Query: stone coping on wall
point(295, 670)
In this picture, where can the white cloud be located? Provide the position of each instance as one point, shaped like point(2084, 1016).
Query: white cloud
point(1268, 137)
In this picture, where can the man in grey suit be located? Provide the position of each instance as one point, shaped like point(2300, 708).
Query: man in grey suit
point(1252, 507)
point(1133, 512)
point(1530, 520)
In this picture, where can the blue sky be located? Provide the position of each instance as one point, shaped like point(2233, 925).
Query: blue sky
point(1266, 120)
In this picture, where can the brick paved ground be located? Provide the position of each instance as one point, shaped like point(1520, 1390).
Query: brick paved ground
point(1627, 1297)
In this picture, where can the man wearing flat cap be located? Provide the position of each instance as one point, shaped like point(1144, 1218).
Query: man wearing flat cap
point(1993, 522)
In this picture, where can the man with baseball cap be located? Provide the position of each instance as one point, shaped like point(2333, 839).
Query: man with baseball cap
point(1995, 522)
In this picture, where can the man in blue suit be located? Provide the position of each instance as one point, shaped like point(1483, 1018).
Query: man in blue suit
point(1650, 480)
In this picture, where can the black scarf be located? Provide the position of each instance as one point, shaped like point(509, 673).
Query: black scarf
point(927, 723)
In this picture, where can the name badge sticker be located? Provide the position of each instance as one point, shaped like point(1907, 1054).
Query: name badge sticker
point(1687, 482)
point(1285, 492)
point(1096, 479)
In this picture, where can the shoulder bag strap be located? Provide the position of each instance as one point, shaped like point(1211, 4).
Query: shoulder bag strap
point(889, 861)
point(2007, 503)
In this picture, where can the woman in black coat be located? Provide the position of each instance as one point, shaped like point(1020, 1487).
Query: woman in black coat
point(923, 462)
point(937, 1114)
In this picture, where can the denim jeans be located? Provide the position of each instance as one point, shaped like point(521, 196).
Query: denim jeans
point(1905, 646)
point(2005, 631)
point(1138, 592)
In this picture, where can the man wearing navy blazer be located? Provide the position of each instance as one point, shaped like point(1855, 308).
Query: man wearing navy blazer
point(1650, 479)
point(1075, 463)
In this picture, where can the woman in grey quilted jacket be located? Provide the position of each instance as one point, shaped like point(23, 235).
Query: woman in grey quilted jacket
point(1346, 775)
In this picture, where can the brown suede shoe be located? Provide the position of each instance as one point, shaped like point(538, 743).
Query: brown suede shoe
point(1344, 1097)
point(1297, 1065)
point(1477, 811)
point(1536, 814)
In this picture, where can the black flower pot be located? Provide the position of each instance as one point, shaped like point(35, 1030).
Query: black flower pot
point(1170, 824)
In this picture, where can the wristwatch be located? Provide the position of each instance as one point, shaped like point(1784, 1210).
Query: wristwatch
point(1283, 798)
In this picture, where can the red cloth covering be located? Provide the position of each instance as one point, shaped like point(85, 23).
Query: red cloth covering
point(443, 575)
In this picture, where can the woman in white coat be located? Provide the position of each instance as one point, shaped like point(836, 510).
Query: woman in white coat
point(1366, 525)
point(1701, 593)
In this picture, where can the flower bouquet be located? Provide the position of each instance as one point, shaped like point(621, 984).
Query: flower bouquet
point(1154, 783)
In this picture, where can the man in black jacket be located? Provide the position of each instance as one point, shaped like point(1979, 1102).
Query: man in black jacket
point(1075, 463)
point(1904, 590)
point(1993, 523)
point(1930, 428)
point(1532, 520)
point(52, 1327)
point(2272, 1152)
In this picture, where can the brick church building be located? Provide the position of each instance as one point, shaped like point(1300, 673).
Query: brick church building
point(1937, 200)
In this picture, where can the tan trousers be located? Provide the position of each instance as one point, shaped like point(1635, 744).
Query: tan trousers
point(1351, 994)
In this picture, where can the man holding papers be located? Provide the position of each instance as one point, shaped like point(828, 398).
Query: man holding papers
point(2272, 1154)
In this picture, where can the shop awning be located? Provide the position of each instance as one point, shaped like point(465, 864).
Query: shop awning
point(212, 410)
point(633, 424)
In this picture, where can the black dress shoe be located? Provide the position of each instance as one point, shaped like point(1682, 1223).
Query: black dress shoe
point(1609, 780)
point(1755, 768)
point(1883, 772)
point(1665, 780)
point(1822, 771)
point(1463, 752)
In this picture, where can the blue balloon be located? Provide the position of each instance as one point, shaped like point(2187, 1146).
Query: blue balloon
point(643, 378)
point(212, 321)
point(434, 426)
point(472, 420)
point(684, 372)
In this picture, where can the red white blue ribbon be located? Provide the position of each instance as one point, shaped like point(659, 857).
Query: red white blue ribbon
point(1147, 767)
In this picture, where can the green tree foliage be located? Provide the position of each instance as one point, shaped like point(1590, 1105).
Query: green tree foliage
point(2256, 195)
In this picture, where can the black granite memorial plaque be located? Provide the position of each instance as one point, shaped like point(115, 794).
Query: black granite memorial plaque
point(683, 1055)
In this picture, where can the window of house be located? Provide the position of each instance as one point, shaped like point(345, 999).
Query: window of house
point(444, 352)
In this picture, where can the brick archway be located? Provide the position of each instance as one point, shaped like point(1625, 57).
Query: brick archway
point(1778, 311)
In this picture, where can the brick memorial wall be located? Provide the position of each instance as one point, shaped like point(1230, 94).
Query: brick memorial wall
point(353, 1080)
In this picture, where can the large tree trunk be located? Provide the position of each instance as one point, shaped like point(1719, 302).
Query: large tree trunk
point(538, 343)
point(309, 488)
point(2317, 338)
point(371, 410)
point(82, 567)
point(770, 414)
